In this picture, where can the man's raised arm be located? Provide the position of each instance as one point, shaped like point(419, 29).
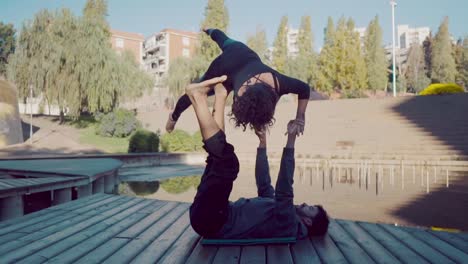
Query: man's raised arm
point(262, 169)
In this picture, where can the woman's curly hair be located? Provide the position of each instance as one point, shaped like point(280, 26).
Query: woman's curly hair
point(255, 107)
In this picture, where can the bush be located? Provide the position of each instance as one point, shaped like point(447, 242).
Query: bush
point(143, 141)
point(442, 88)
point(119, 123)
point(181, 141)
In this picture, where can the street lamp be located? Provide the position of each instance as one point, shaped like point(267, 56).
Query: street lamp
point(393, 4)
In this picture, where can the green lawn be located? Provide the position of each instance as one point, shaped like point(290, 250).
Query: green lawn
point(107, 144)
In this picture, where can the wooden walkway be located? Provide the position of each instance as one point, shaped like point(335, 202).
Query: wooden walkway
point(120, 229)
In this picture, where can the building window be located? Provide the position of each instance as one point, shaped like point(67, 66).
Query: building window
point(119, 43)
point(186, 41)
point(186, 52)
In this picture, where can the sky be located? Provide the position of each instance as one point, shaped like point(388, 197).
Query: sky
point(151, 16)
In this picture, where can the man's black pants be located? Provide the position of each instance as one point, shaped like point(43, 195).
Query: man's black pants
point(210, 207)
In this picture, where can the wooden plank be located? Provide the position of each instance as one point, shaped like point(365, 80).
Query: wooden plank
point(102, 251)
point(6, 184)
point(348, 247)
point(71, 214)
point(228, 255)
point(84, 247)
point(415, 244)
point(367, 242)
point(304, 252)
point(445, 248)
point(33, 216)
point(182, 248)
point(158, 247)
point(27, 239)
point(452, 238)
point(23, 224)
point(75, 204)
point(134, 231)
point(99, 205)
point(463, 236)
point(280, 254)
point(399, 250)
point(327, 250)
point(202, 254)
point(253, 255)
point(84, 234)
point(36, 245)
point(135, 246)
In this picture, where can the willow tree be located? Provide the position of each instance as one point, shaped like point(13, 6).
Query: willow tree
point(181, 72)
point(69, 61)
point(7, 44)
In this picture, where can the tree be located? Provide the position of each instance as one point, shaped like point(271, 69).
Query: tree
point(182, 71)
point(69, 61)
point(443, 63)
point(351, 73)
point(416, 78)
point(376, 61)
point(7, 44)
point(280, 49)
point(327, 60)
point(258, 43)
point(427, 47)
point(463, 70)
point(304, 66)
point(216, 16)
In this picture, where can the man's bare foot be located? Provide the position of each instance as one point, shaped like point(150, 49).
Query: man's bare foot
point(170, 124)
point(220, 91)
point(194, 90)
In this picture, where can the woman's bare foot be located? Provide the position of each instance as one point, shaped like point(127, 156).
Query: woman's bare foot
point(170, 124)
point(195, 90)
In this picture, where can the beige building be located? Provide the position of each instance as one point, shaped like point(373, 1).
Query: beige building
point(163, 47)
point(133, 42)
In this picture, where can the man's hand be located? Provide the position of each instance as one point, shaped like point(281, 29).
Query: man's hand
point(292, 134)
point(261, 134)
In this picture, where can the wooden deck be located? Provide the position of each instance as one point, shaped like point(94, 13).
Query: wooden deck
point(120, 229)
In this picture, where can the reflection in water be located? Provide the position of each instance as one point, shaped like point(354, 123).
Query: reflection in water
point(420, 195)
point(144, 188)
point(364, 174)
point(175, 185)
point(178, 185)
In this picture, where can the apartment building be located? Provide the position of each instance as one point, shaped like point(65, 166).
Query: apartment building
point(407, 36)
point(362, 31)
point(163, 47)
point(292, 38)
point(132, 42)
